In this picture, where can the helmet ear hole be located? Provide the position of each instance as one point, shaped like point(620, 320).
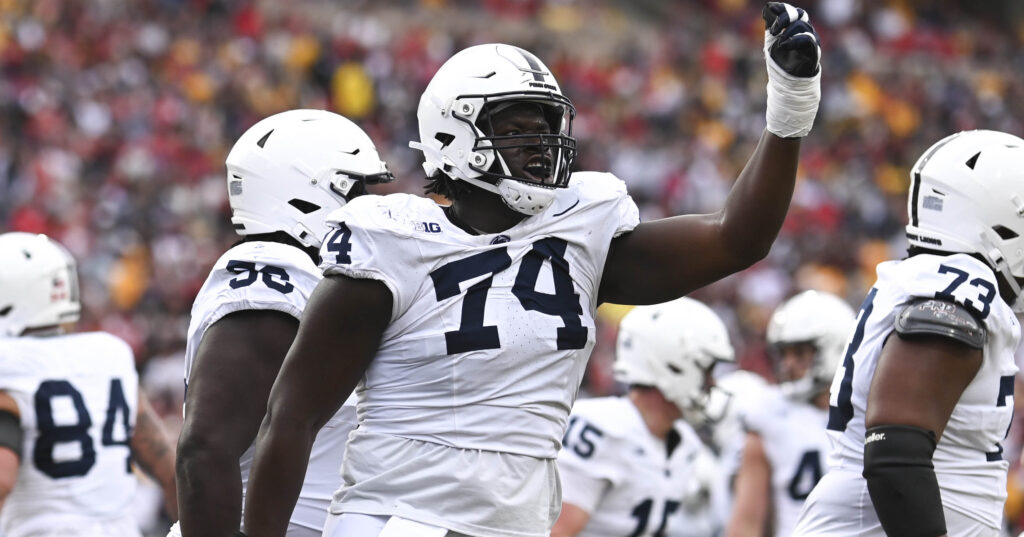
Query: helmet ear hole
point(304, 206)
point(973, 160)
point(1004, 232)
point(445, 138)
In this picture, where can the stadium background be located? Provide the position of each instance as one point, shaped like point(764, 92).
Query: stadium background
point(116, 116)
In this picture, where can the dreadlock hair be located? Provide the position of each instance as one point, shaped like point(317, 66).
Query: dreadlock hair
point(444, 185)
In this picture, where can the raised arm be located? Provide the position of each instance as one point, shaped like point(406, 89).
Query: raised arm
point(665, 259)
point(153, 450)
point(230, 381)
point(339, 335)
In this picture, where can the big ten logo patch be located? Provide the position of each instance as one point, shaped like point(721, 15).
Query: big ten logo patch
point(428, 227)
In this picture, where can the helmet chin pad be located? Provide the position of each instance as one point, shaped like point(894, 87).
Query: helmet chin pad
point(524, 198)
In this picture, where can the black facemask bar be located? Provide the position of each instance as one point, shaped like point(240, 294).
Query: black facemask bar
point(559, 113)
point(361, 180)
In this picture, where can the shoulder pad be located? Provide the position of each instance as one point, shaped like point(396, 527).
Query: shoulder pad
point(932, 316)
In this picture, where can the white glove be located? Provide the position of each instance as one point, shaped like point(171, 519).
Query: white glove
point(792, 53)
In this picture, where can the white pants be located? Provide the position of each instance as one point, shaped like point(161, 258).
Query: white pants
point(293, 531)
point(124, 527)
point(359, 525)
point(840, 506)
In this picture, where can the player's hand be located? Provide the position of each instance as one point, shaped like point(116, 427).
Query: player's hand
point(790, 40)
point(792, 52)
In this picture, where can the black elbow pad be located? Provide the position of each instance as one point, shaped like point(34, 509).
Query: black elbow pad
point(11, 434)
point(901, 480)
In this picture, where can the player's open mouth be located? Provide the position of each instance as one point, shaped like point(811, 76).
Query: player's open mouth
point(538, 170)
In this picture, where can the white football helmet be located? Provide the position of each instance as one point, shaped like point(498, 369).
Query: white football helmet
point(967, 195)
point(38, 283)
point(672, 347)
point(821, 319)
point(289, 170)
point(467, 89)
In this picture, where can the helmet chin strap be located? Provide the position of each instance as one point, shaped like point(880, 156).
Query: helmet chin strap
point(305, 236)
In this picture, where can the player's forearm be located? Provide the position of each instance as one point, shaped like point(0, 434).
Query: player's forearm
point(209, 490)
point(154, 452)
point(758, 202)
point(743, 527)
point(9, 464)
point(282, 453)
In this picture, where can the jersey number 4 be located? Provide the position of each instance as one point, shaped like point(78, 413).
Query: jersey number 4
point(472, 334)
point(54, 438)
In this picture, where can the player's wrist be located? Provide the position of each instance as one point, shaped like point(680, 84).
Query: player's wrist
point(792, 53)
point(792, 100)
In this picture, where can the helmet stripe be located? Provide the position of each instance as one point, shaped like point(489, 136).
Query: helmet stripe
point(534, 64)
point(916, 177)
point(914, 193)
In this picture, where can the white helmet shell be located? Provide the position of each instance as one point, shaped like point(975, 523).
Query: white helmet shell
point(967, 196)
point(289, 170)
point(485, 78)
point(672, 346)
point(38, 283)
point(821, 319)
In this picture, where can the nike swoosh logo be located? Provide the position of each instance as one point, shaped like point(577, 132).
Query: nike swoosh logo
point(567, 210)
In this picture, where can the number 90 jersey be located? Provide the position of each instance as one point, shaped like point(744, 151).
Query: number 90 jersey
point(78, 399)
point(262, 275)
point(968, 459)
point(489, 334)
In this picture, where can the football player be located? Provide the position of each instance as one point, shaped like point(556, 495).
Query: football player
point(284, 175)
point(72, 417)
point(924, 394)
point(628, 463)
point(468, 327)
point(784, 452)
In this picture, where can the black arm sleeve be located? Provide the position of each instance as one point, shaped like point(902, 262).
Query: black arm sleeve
point(901, 480)
point(11, 434)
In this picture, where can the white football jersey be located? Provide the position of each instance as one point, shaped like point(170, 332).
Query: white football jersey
point(613, 468)
point(78, 399)
point(968, 459)
point(486, 348)
point(795, 444)
point(280, 277)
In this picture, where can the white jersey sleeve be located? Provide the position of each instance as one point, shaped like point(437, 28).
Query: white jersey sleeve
point(968, 459)
point(589, 462)
point(78, 400)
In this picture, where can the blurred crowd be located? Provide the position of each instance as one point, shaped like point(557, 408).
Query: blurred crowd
point(116, 117)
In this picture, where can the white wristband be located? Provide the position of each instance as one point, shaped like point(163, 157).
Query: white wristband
point(792, 100)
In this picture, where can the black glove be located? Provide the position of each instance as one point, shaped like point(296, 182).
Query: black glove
point(797, 49)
